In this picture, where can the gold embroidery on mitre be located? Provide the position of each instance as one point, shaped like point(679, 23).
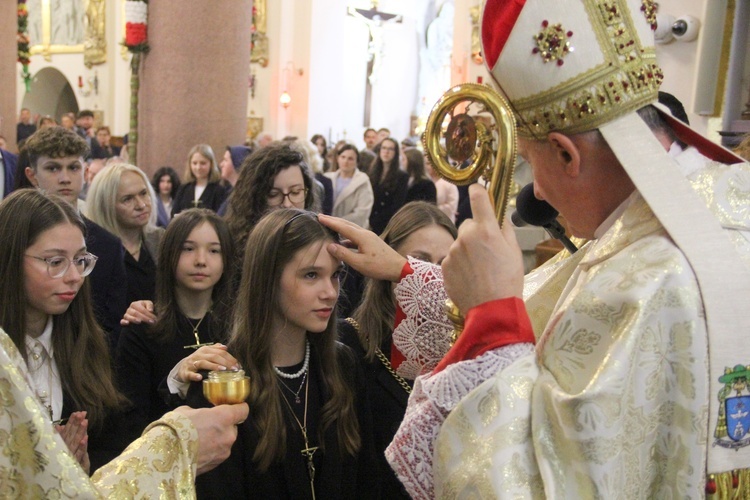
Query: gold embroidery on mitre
point(552, 43)
point(649, 8)
point(628, 79)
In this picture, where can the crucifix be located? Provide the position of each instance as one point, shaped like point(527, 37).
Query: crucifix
point(375, 21)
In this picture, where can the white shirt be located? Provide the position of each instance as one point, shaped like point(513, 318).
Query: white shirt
point(45, 377)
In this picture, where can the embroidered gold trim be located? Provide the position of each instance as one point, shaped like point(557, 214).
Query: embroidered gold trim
point(627, 80)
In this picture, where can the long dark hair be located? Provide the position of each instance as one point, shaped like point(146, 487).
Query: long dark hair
point(271, 246)
point(249, 199)
point(79, 343)
point(170, 250)
point(377, 311)
point(378, 166)
point(415, 164)
point(172, 176)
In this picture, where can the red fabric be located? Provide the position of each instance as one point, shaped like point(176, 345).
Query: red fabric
point(396, 357)
point(498, 20)
point(707, 148)
point(488, 326)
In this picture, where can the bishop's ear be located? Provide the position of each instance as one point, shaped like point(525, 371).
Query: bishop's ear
point(567, 152)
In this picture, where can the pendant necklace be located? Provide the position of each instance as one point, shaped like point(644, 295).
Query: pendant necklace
point(295, 393)
point(308, 451)
point(195, 332)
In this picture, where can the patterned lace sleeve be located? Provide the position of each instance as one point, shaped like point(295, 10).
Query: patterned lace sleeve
point(423, 337)
point(434, 396)
point(161, 460)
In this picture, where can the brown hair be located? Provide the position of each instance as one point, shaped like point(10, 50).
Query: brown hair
point(271, 246)
point(377, 311)
point(248, 201)
point(54, 142)
point(170, 250)
point(80, 345)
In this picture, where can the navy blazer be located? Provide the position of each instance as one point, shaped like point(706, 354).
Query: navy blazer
point(9, 160)
point(108, 280)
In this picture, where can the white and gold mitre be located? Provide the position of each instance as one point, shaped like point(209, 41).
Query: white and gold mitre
point(571, 66)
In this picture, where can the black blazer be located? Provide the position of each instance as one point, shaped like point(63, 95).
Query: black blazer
point(337, 476)
point(422, 190)
point(212, 198)
point(388, 200)
point(143, 363)
point(389, 400)
point(108, 280)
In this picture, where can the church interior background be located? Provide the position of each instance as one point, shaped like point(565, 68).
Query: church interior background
point(223, 72)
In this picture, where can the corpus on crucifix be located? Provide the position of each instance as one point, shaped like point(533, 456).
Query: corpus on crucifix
point(375, 22)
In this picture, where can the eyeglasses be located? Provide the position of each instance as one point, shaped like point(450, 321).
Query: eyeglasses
point(296, 195)
point(57, 266)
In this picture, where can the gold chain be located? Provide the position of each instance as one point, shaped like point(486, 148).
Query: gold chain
point(383, 359)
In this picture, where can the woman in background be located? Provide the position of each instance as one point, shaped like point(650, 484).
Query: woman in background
point(121, 200)
point(421, 187)
point(202, 187)
point(165, 182)
point(389, 185)
point(353, 197)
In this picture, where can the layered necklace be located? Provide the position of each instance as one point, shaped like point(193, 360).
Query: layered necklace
point(308, 451)
point(195, 327)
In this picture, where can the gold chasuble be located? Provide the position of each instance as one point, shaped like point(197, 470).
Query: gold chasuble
point(35, 463)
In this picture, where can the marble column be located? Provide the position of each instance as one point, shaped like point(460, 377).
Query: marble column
point(9, 70)
point(194, 81)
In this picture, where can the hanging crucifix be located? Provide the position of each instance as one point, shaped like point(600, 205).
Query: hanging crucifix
point(375, 21)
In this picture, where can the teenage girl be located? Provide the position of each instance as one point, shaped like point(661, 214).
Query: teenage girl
point(308, 433)
point(421, 231)
point(45, 307)
point(192, 302)
point(202, 188)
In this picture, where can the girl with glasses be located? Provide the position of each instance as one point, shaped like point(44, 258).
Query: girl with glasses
point(273, 177)
point(45, 307)
point(192, 311)
point(308, 432)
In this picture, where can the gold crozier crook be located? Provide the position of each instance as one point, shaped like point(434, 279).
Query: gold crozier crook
point(477, 149)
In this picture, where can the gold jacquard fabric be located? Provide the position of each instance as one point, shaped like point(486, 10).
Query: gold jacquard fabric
point(35, 463)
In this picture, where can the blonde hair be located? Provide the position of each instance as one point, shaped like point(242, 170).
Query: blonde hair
point(206, 152)
point(102, 197)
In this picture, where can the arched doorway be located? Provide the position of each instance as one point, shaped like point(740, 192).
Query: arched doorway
point(50, 94)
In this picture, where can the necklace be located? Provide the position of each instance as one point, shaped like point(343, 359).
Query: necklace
point(195, 332)
point(302, 370)
point(136, 253)
point(295, 393)
point(308, 451)
point(384, 360)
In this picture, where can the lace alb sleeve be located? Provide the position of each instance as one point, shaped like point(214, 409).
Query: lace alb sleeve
point(434, 396)
point(423, 337)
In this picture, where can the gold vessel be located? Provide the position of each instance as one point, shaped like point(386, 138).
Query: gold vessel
point(471, 133)
point(226, 387)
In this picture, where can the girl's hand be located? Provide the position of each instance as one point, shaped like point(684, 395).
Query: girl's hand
point(75, 435)
point(373, 258)
point(211, 357)
point(140, 311)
